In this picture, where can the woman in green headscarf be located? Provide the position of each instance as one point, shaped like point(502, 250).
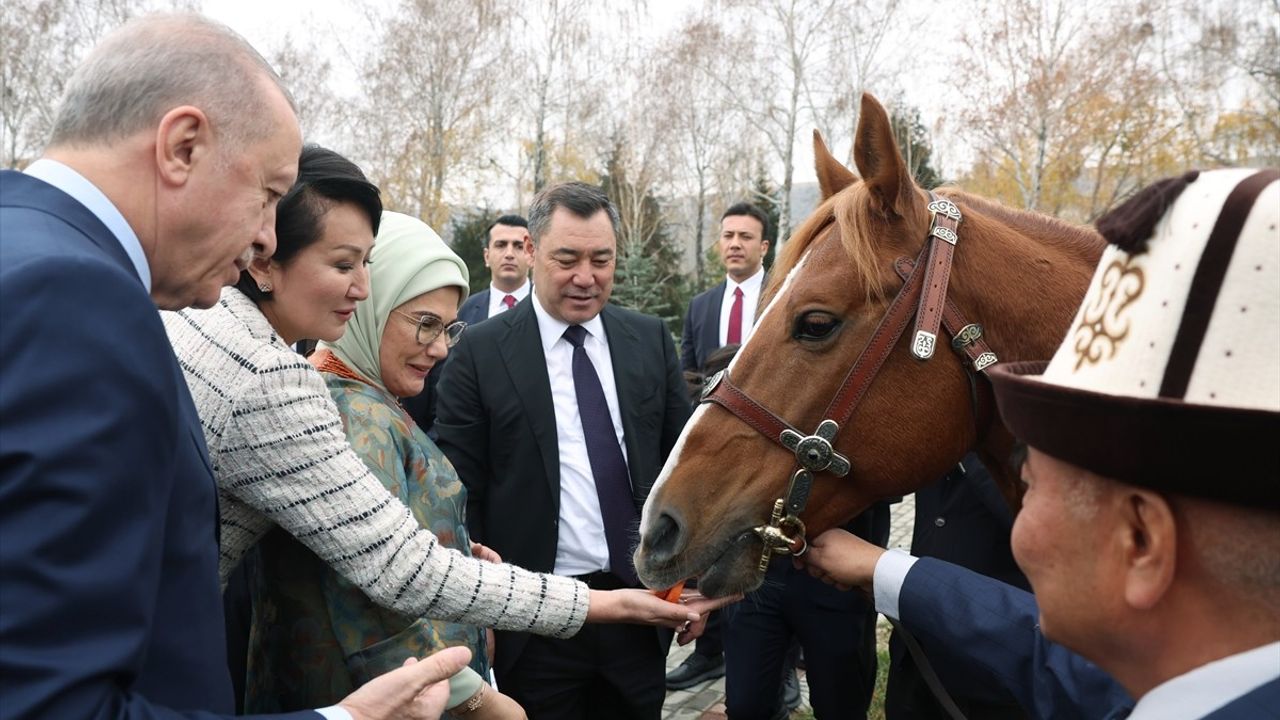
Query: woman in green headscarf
point(316, 635)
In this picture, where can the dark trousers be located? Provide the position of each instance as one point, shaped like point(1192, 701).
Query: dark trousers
point(711, 642)
point(836, 630)
point(605, 671)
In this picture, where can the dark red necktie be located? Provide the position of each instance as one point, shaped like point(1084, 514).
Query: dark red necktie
point(735, 319)
point(509, 301)
point(608, 466)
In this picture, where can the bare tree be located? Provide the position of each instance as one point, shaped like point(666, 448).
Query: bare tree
point(699, 116)
point(307, 72)
point(431, 88)
point(41, 41)
point(554, 31)
point(855, 63)
point(1220, 62)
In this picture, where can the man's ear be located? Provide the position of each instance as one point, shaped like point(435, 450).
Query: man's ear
point(183, 139)
point(1149, 546)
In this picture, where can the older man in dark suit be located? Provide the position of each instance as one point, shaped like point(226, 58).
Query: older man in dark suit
point(558, 416)
point(173, 143)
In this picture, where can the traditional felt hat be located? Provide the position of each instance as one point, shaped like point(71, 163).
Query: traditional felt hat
point(1169, 376)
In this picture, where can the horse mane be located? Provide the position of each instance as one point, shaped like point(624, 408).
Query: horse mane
point(851, 212)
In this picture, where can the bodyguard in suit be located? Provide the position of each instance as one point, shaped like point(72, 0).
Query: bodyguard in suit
point(1150, 529)
point(558, 416)
point(508, 252)
point(726, 313)
point(172, 144)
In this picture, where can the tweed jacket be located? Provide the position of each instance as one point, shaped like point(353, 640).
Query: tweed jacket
point(281, 457)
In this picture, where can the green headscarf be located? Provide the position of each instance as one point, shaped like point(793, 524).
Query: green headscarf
point(408, 259)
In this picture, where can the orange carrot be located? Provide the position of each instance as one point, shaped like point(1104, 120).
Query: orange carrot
point(671, 594)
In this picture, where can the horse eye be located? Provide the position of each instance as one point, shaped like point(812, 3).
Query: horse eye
point(815, 325)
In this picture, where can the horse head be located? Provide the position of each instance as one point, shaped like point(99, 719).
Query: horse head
point(1019, 275)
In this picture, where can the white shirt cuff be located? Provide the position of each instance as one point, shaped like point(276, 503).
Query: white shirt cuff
point(333, 712)
point(891, 571)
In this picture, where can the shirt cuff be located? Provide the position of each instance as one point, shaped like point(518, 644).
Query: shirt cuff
point(333, 712)
point(891, 571)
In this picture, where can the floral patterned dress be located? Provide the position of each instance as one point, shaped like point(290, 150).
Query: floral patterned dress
point(317, 637)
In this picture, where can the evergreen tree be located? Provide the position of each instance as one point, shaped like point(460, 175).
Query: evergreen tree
point(916, 145)
point(648, 277)
point(468, 235)
point(765, 196)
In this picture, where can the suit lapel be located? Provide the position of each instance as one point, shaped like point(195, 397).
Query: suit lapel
point(521, 348)
point(711, 328)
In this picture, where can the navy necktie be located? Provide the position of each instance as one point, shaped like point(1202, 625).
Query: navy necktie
point(608, 467)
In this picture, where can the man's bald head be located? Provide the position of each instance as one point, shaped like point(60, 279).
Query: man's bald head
point(159, 62)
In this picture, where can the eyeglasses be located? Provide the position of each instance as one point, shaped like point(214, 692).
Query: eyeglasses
point(430, 327)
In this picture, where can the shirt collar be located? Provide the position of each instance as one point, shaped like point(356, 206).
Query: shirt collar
point(552, 329)
point(751, 284)
point(87, 194)
point(1199, 692)
point(519, 293)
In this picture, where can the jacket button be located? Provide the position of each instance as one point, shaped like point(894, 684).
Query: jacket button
point(940, 522)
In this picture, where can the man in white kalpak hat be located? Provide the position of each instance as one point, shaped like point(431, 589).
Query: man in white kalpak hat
point(1150, 530)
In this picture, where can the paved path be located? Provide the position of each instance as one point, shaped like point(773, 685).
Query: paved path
point(706, 701)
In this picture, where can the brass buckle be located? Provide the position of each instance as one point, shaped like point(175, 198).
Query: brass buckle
point(781, 536)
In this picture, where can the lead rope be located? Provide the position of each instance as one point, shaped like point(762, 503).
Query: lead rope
point(926, 671)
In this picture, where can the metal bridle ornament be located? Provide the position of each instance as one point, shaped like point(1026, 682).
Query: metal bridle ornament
point(924, 295)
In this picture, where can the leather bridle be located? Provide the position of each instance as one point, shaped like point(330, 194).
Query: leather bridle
point(924, 296)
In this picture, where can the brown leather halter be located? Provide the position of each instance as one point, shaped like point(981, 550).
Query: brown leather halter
point(924, 295)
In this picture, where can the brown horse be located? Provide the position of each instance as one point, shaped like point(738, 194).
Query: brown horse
point(1017, 274)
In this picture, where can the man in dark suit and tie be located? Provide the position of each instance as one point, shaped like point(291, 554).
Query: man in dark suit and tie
point(726, 313)
point(558, 416)
point(508, 252)
point(172, 145)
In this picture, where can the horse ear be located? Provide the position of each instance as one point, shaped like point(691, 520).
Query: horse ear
point(876, 154)
point(832, 175)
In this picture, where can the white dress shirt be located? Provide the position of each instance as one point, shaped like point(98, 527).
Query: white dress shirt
point(750, 299)
point(87, 194)
point(581, 546)
point(1199, 692)
point(496, 306)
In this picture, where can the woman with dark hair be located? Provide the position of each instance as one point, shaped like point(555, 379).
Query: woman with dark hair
point(280, 454)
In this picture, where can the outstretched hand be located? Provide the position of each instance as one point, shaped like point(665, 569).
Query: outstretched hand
point(838, 557)
point(644, 608)
point(417, 691)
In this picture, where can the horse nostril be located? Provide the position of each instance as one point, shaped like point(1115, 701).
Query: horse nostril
point(664, 538)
